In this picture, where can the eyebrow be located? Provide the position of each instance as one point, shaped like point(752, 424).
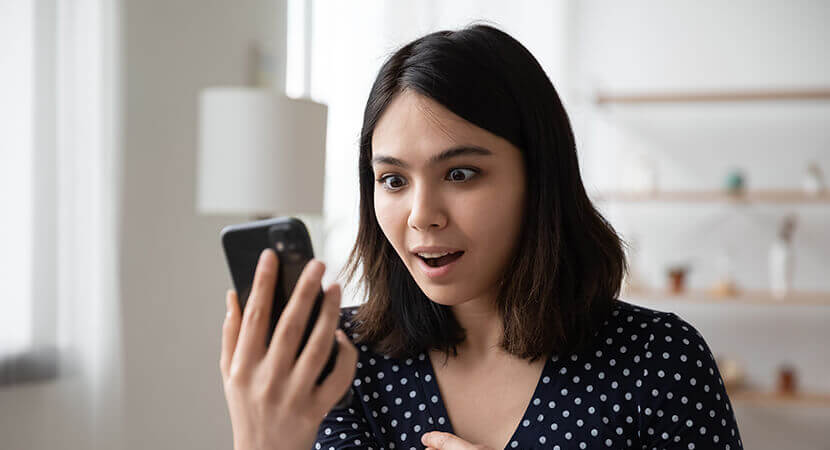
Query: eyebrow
point(443, 156)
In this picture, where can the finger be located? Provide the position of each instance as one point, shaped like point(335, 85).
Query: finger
point(230, 333)
point(294, 318)
point(257, 313)
point(319, 346)
point(444, 441)
point(341, 376)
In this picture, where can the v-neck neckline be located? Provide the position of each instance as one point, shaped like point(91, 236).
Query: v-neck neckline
point(439, 409)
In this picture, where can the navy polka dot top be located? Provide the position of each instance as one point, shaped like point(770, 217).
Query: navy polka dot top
point(649, 382)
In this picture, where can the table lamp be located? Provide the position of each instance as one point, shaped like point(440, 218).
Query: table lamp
point(261, 153)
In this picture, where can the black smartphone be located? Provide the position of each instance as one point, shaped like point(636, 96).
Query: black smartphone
point(288, 236)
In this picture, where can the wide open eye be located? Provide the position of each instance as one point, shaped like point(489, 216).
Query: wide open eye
point(461, 175)
point(392, 182)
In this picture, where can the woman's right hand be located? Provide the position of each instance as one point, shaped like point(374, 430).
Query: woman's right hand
point(273, 400)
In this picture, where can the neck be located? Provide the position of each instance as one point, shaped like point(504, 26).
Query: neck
point(483, 326)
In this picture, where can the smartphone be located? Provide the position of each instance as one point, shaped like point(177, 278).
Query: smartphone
point(288, 236)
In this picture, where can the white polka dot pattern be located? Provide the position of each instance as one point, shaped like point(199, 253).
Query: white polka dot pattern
point(648, 382)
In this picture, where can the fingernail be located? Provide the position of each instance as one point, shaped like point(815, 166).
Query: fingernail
point(317, 268)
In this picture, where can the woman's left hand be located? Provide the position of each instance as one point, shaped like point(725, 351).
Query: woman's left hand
point(437, 440)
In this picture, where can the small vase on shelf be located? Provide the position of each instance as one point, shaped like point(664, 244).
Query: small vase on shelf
point(782, 260)
point(726, 286)
point(813, 182)
point(735, 182)
point(787, 380)
point(677, 278)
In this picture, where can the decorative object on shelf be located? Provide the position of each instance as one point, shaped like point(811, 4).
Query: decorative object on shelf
point(735, 182)
point(726, 285)
point(787, 380)
point(677, 278)
point(813, 182)
point(732, 372)
point(781, 259)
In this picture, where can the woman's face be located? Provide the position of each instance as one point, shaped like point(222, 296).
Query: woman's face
point(445, 185)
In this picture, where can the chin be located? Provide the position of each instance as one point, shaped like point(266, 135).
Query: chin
point(451, 291)
point(443, 295)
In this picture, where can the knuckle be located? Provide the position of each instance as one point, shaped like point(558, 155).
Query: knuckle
point(291, 331)
point(294, 401)
point(265, 392)
point(308, 416)
point(334, 308)
point(307, 289)
point(316, 351)
point(237, 375)
point(254, 312)
point(326, 321)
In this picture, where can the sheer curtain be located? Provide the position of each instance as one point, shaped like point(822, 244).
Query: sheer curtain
point(88, 195)
point(73, 244)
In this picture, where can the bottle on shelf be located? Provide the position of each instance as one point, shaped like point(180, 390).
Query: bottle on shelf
point(782, 260)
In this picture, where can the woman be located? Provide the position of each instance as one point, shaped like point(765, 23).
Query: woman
point(492, 318)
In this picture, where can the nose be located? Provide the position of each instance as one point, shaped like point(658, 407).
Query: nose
point(427, 211)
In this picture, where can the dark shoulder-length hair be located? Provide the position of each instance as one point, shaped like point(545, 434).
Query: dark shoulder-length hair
point(569, 262)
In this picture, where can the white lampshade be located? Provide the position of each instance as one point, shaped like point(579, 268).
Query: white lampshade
point(260, 153)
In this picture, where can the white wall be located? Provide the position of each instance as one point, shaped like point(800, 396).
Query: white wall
point(712, 45)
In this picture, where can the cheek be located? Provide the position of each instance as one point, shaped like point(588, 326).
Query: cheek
point(491, 216)
point(391, 218)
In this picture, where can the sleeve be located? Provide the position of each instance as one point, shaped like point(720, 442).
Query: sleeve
point(684, 404)
point(347, 428)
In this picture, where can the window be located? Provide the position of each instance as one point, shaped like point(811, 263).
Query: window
point(16, 156)
point(27, 331)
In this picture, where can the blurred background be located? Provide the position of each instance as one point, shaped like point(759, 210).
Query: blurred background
point(132, 132)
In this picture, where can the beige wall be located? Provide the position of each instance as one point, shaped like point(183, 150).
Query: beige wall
point(173, 274)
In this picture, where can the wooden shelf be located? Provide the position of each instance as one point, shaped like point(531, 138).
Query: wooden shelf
point(753, 196)
point(713, 96)
point(752, 297)
point(761, 398)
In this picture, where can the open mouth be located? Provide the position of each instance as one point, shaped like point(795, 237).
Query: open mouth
point(441, 260)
